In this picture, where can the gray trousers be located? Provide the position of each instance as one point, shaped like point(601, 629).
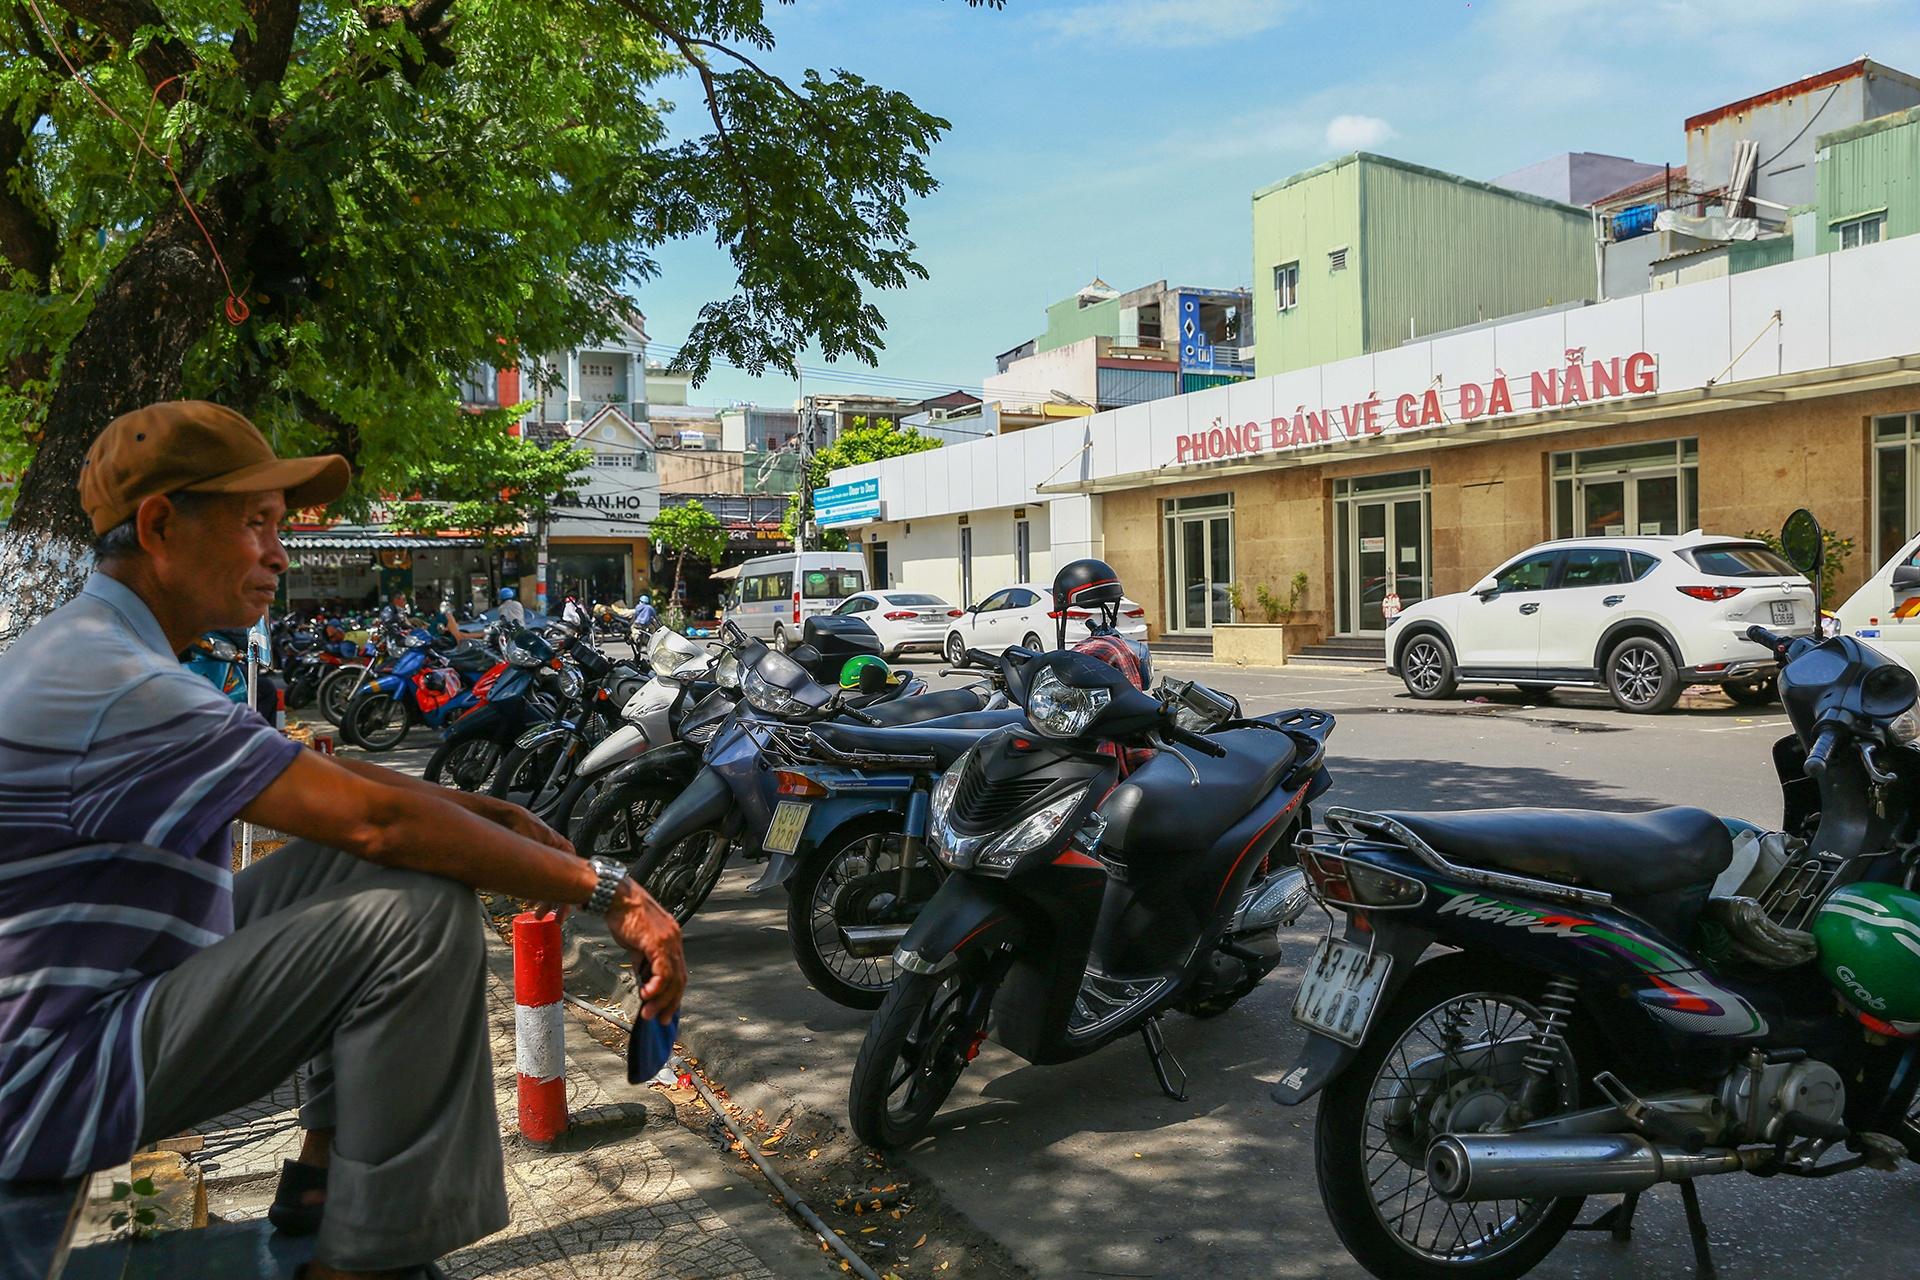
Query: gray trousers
point(375, 980)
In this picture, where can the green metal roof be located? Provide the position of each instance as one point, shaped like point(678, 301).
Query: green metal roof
point(1369, 157)
point(1892, 120)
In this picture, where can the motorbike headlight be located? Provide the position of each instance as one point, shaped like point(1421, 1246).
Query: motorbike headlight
point(1030, 833)
point(572, 683)
point(727, 673)
point(763, 694)
point(1060, 710)
point(670, 652)
point(1903, 728)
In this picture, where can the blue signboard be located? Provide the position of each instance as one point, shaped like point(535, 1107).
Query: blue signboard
point(855, 502)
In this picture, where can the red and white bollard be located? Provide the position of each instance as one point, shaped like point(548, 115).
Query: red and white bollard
point(539, 1027)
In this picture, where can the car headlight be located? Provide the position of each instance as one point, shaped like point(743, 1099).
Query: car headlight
point(670, 652)
point(1060, 710)
point(763, 694)
point(572, 683)
point(1030, 833)
point(727, 672)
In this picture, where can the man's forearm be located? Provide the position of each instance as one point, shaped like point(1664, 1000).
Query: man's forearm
point(379, 773)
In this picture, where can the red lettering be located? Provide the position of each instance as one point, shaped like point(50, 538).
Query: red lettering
point(1499, 397)
point(1573, 385)
point(1546, 389)
point(1473, 401)
point(1403, 411)
point(1642, 375)
point(1278, 432)
point(1372, 424)
point(1604, 379)
point(1319, 429)
point(1182, 448)
point(1216, 443)
point(1430, 414)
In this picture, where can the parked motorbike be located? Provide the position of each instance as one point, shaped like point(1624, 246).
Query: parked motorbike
point(540, 768)
point(516, 694)
point(1086, 897)
point(1623, 1003)
point(427, 684)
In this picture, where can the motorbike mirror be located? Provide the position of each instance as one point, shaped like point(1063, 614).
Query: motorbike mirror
point(1887, 691)
point(1801, 540)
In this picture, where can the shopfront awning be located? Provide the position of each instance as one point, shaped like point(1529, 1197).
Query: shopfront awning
point(372, 542)
point(725, 575)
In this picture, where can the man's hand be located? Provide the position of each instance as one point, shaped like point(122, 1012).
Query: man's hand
point(515, 819)
point(646, 929)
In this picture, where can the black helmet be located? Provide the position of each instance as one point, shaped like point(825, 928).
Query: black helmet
point(1085, 585)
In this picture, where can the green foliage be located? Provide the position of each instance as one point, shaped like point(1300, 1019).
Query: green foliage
point(1838, 550)
point(1273, 606)
point(139, 1216)
point(862, 441)
point(1237, 599)
point(411, 191)
point(482, 480)
point(687, 530)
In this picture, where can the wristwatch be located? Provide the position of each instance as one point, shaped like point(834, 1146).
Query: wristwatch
point(610, 875)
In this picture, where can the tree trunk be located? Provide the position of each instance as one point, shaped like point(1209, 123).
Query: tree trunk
point(679, 568)
point(158, 303)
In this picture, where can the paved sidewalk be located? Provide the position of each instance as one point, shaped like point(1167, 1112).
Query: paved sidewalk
point(627, 1192)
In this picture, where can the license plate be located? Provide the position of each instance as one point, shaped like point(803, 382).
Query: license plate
point(789, 820)
point(1340, 990)
point(1783, 612)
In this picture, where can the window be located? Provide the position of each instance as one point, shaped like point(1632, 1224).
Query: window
point(1594, 567)
point(1530, 574)
point(998, 600)
point(768, 586)
point(1022, 550)
point(831, 584)
point(616, 459)
point(594, 369)
point(966, 564)
point(854, 604)
point(909, 600)
point(1636, 490)
point(1739, 560)
point(880, 566)
point(1896, 464)
point(1855, 232)
point(1337, 259)
point(1019, 598)
point(1643, 564)
point(1286, 287)
point(477, 387)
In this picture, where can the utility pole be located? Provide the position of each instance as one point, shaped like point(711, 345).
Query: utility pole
point(806, 435)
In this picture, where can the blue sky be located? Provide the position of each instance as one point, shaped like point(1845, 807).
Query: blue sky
point(1124, 138)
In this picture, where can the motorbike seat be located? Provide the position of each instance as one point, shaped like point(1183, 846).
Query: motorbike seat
point(923, 706)
point(1630, 855)
point(468, 656)
point(1159, 809)
point(945, 745)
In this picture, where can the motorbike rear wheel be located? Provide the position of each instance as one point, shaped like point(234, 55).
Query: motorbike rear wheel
point(919, 1044)
point(375, 720)
point(616, 823)
point(853, 881)
point(467, 764)
point(527, 776)
point(1432, 1056)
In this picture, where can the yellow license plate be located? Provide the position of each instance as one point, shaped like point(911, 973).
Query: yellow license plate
point(789, 821)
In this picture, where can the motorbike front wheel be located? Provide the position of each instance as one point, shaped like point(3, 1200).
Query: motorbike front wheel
point(375, 721)
point(679, 878)
point(536, 777)
point(856, 880)
point(921, 1040)
point(1448, 1049)
point(467, 764)
point(336, 690)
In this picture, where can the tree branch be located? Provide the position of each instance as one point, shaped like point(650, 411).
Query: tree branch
point(165, 61)
point(262, 54)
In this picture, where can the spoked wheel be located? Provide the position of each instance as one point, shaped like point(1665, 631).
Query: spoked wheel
point(679, 878)
point(467, 764)
point(956, 649)
point(536, 778)
point(927, 1031)
point(376, 721)
point(855, 881)
point(1426, 667)
point(336, 690)
point(1641, 676)
point(1033, 641)
point(1445, 1057)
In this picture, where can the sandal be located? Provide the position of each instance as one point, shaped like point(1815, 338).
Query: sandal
point(291, 1213)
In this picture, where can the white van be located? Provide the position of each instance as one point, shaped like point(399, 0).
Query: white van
point(1884, 612)
point(775, 595)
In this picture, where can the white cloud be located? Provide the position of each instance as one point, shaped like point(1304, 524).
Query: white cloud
point(1167, 23)
point(1356, 133)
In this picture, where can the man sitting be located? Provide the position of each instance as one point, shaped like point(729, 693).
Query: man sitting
point(144, 988)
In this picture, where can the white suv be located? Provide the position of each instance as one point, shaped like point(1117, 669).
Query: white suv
point(1642, 618)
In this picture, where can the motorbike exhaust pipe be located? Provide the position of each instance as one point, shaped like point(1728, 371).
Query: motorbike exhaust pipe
point(871, 941)
point(1519, 1166)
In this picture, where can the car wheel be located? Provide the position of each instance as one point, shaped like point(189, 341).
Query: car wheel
point(1641, 676)
point(1426, 667)
point(956, 649)
point(1033, 641)
point(1752, 693)
point(780, 642)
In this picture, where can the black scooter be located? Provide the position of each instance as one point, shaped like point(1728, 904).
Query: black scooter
point(1091, 891)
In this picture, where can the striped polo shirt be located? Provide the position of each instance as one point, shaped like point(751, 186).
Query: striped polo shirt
point(120, 771)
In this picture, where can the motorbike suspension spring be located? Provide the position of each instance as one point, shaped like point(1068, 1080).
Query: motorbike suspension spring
point(1556, 1007)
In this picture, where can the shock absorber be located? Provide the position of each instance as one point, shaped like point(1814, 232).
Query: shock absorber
point(1556, 1009)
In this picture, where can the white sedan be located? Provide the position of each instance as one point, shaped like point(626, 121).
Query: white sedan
point(1022, 615)
point(904, 620)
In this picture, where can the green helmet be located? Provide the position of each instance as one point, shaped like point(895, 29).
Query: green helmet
point(1869, 938)
point(851, 675)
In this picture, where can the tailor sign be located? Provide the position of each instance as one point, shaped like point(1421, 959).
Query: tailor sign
point(855, 502)
point(1580, 381)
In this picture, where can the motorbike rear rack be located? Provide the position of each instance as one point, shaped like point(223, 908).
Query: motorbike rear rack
point(1359, 824)
point(797, 745)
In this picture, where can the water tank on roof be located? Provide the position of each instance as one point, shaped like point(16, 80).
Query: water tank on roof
point(1634, 221)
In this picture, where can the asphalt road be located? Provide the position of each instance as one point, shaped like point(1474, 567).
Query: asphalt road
point(1086, 1169)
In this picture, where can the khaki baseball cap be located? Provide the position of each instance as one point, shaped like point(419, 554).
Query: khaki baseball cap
point(196, 445)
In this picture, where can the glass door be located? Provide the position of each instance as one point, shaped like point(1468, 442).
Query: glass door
point(1199, 569)
point(1381, 557)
